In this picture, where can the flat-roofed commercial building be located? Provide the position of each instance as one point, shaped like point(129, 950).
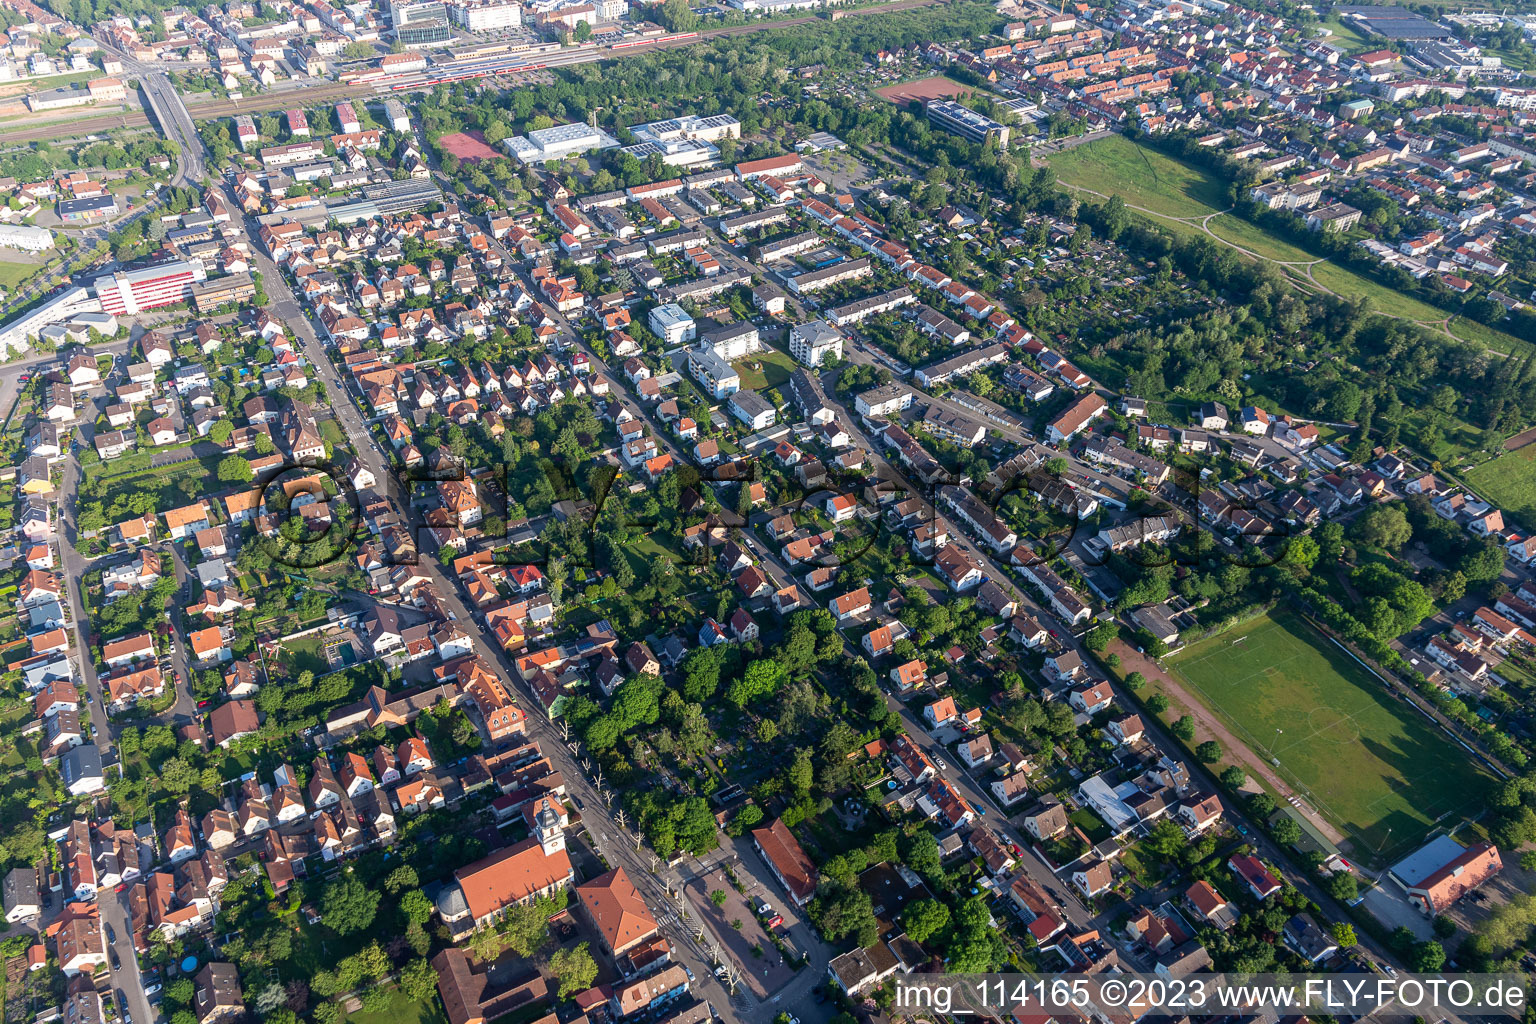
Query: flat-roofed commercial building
point(967, 123)
point(486, 15)
point(559, 142)
point(210, 295)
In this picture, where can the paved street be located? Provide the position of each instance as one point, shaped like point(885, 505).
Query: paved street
point(657, 883)
point(126, 978)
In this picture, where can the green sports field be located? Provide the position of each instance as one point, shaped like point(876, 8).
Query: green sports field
point(1366, 761)
point(1510, 482)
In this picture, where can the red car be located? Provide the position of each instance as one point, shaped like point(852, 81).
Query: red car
point(202, 704)
point(120, 888)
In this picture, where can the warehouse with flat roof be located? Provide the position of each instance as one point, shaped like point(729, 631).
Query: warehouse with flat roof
point(559, 142)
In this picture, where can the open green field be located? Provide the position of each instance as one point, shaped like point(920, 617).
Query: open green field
point(1509, 481)
point(1177, 194)
point(1345, 35)
point(1232, 228)
point(1383, 299)
point(772, 369)
point(1142, 177)
point(402, 1009)
point(1369, 764)
point(12, 274)
point(1488, 337)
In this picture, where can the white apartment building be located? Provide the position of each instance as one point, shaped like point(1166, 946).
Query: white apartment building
point(485, 15)
point(811, 343)
point(672, 324)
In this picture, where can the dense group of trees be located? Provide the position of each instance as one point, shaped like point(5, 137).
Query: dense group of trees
point(1389, 380)
point(44, 159)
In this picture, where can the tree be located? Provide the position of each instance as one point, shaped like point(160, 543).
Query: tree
point(924, 919)
point(1135, 681)
point(1157, 703)
point(1343, 933)
point(1100, 636)
point(1167, 840)
point(1209, 751)
point(1184, 728)
point(718, 897)
point(527, 928)
point(1287, 831)
point(920, 852)
point(348, 905)
point(401, 879)
point(177, 776)
point(801, 772)
point(269, 998)
point(1383, 526)
point(1483, 563)
point(574, 967)
point(1343, 887)
point(1428, 957)
point(1233, 777)
point(701, 671)
point(234, 470)
point(678, 16)
point(1300, 555)
point(419, 980)
point(762, 678)
point(487, 944)
point(416, 907)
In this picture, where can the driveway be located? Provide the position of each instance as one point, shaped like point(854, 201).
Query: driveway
point(1390, 906)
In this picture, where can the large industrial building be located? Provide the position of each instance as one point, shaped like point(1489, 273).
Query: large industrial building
point(686, 141)
point(559, 142)
point(133, 291)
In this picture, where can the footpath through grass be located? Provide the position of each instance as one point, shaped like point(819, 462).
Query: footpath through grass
point(1178, 195)
point(1142, 177)
point(1369, 763)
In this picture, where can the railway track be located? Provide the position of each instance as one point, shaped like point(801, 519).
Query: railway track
point(329, 92)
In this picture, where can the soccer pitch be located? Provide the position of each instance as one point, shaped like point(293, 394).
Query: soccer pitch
point(1373, 766)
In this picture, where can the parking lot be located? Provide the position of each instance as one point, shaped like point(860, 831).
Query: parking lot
point(764, 972)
